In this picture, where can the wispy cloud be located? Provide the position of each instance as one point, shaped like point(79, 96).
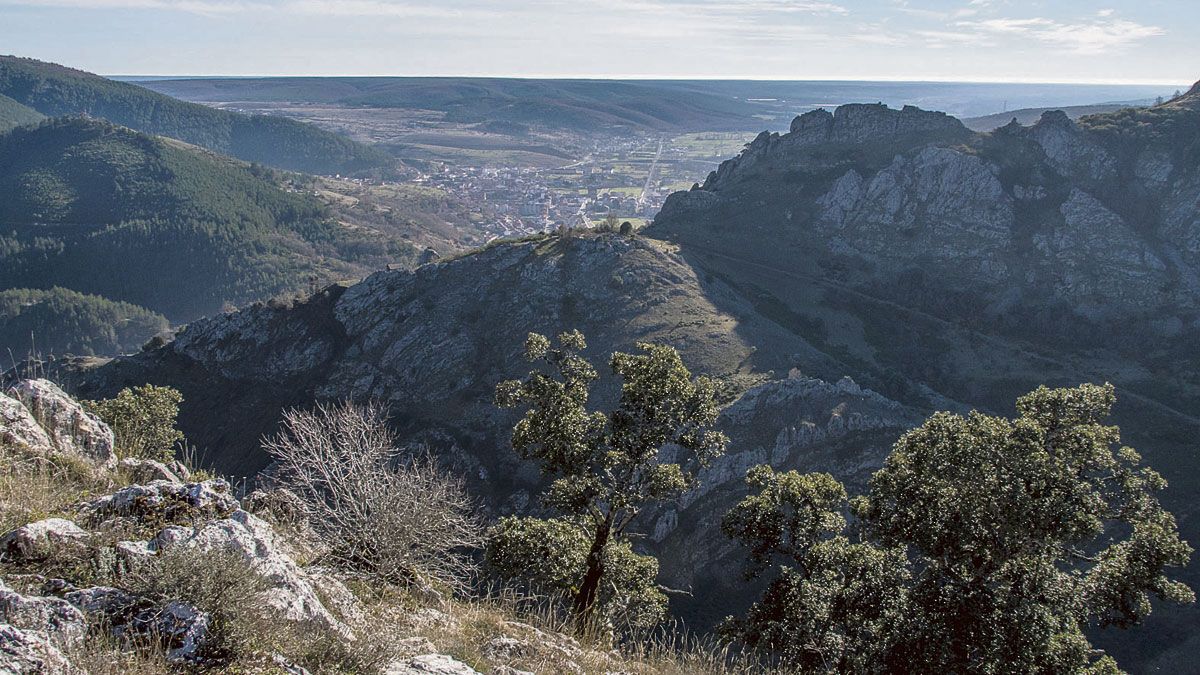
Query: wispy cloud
point(1094, 36)
point(189, 6)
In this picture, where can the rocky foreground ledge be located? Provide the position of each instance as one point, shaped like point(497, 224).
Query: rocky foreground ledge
point(53, 614)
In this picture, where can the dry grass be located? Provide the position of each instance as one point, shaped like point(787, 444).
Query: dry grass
point(392, 622)
point(33, 488)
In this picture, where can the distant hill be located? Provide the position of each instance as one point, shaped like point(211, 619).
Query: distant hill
point(1028, 116)
point(53, 90)
point(555, 104)
point(104, 210)
point(639, 105)
point(61, 321)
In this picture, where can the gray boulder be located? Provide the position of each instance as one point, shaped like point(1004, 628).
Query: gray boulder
point(53, 618)
point(147, 470)
point(25, 653)
point(18, 428)
point(430, 664)
point(41, 539)
point(166, 500)
point(70, 428)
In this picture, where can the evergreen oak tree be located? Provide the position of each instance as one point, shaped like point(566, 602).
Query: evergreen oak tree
point(986, 545)
point(604, 469)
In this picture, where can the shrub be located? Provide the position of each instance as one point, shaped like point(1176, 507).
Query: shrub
point(143, 421)
point(221, 583)
point(985, 545)
point(398, 520)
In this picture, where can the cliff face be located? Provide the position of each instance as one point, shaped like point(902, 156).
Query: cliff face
point(1056, 212)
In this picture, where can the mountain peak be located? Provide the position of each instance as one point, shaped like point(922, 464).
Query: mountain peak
point(857, 122)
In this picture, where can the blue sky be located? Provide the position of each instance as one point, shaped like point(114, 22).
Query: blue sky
point(1152, 41)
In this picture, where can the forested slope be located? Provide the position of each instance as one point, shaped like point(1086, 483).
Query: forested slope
point(53, 90)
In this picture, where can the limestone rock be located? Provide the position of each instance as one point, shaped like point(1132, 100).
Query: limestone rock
point(43, 538)
point(291, 593)
point(166, 500)
point(19, 428)
point(147, 470)
point(26, 653)
point(430, 664)
point(49, 617)
point(181, 628)
point(69, 427)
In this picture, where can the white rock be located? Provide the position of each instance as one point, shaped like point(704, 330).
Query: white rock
point(291, 593)
point(24, 653)
point(430, 664)
point(19, 428)
point(71, 429)
point(53, 618)
point(167, 500)
point(147, 470)
point(41, 539)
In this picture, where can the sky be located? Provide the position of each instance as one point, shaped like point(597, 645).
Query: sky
point(1113, 41)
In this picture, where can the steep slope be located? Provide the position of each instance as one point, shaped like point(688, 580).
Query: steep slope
point(1047, 236)
point(54, 90)
point(104, 210)
point(433, 342)
point(13, 114)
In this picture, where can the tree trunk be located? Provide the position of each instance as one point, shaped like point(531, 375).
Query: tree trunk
point(586, 597)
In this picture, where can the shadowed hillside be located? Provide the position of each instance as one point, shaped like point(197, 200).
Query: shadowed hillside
point(55, 91)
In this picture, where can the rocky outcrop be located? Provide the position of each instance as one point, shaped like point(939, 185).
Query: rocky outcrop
point(430, 664)
point(147, 470)
point(207, 517)
point(180, 628)
point(292, 593)
point(166, 501)
point(27, 653)
point(57, 620)
point(818, 133)
point(39, 418)
point(19, 429)
point(941, 203)
point(40, 540)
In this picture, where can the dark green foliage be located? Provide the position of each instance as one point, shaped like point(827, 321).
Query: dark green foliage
point(989, 546)
point(13, 114)
point(143, 421)
point(605, 468)
point(104, 210)
point(61, 321)
point(551, 555)
point(54, 91)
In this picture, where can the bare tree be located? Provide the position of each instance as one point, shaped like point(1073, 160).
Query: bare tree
point(395, 517)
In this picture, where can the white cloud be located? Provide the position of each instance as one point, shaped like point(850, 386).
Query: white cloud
point(1085, 37)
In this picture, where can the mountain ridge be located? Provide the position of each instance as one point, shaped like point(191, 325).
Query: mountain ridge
point(54, 91)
